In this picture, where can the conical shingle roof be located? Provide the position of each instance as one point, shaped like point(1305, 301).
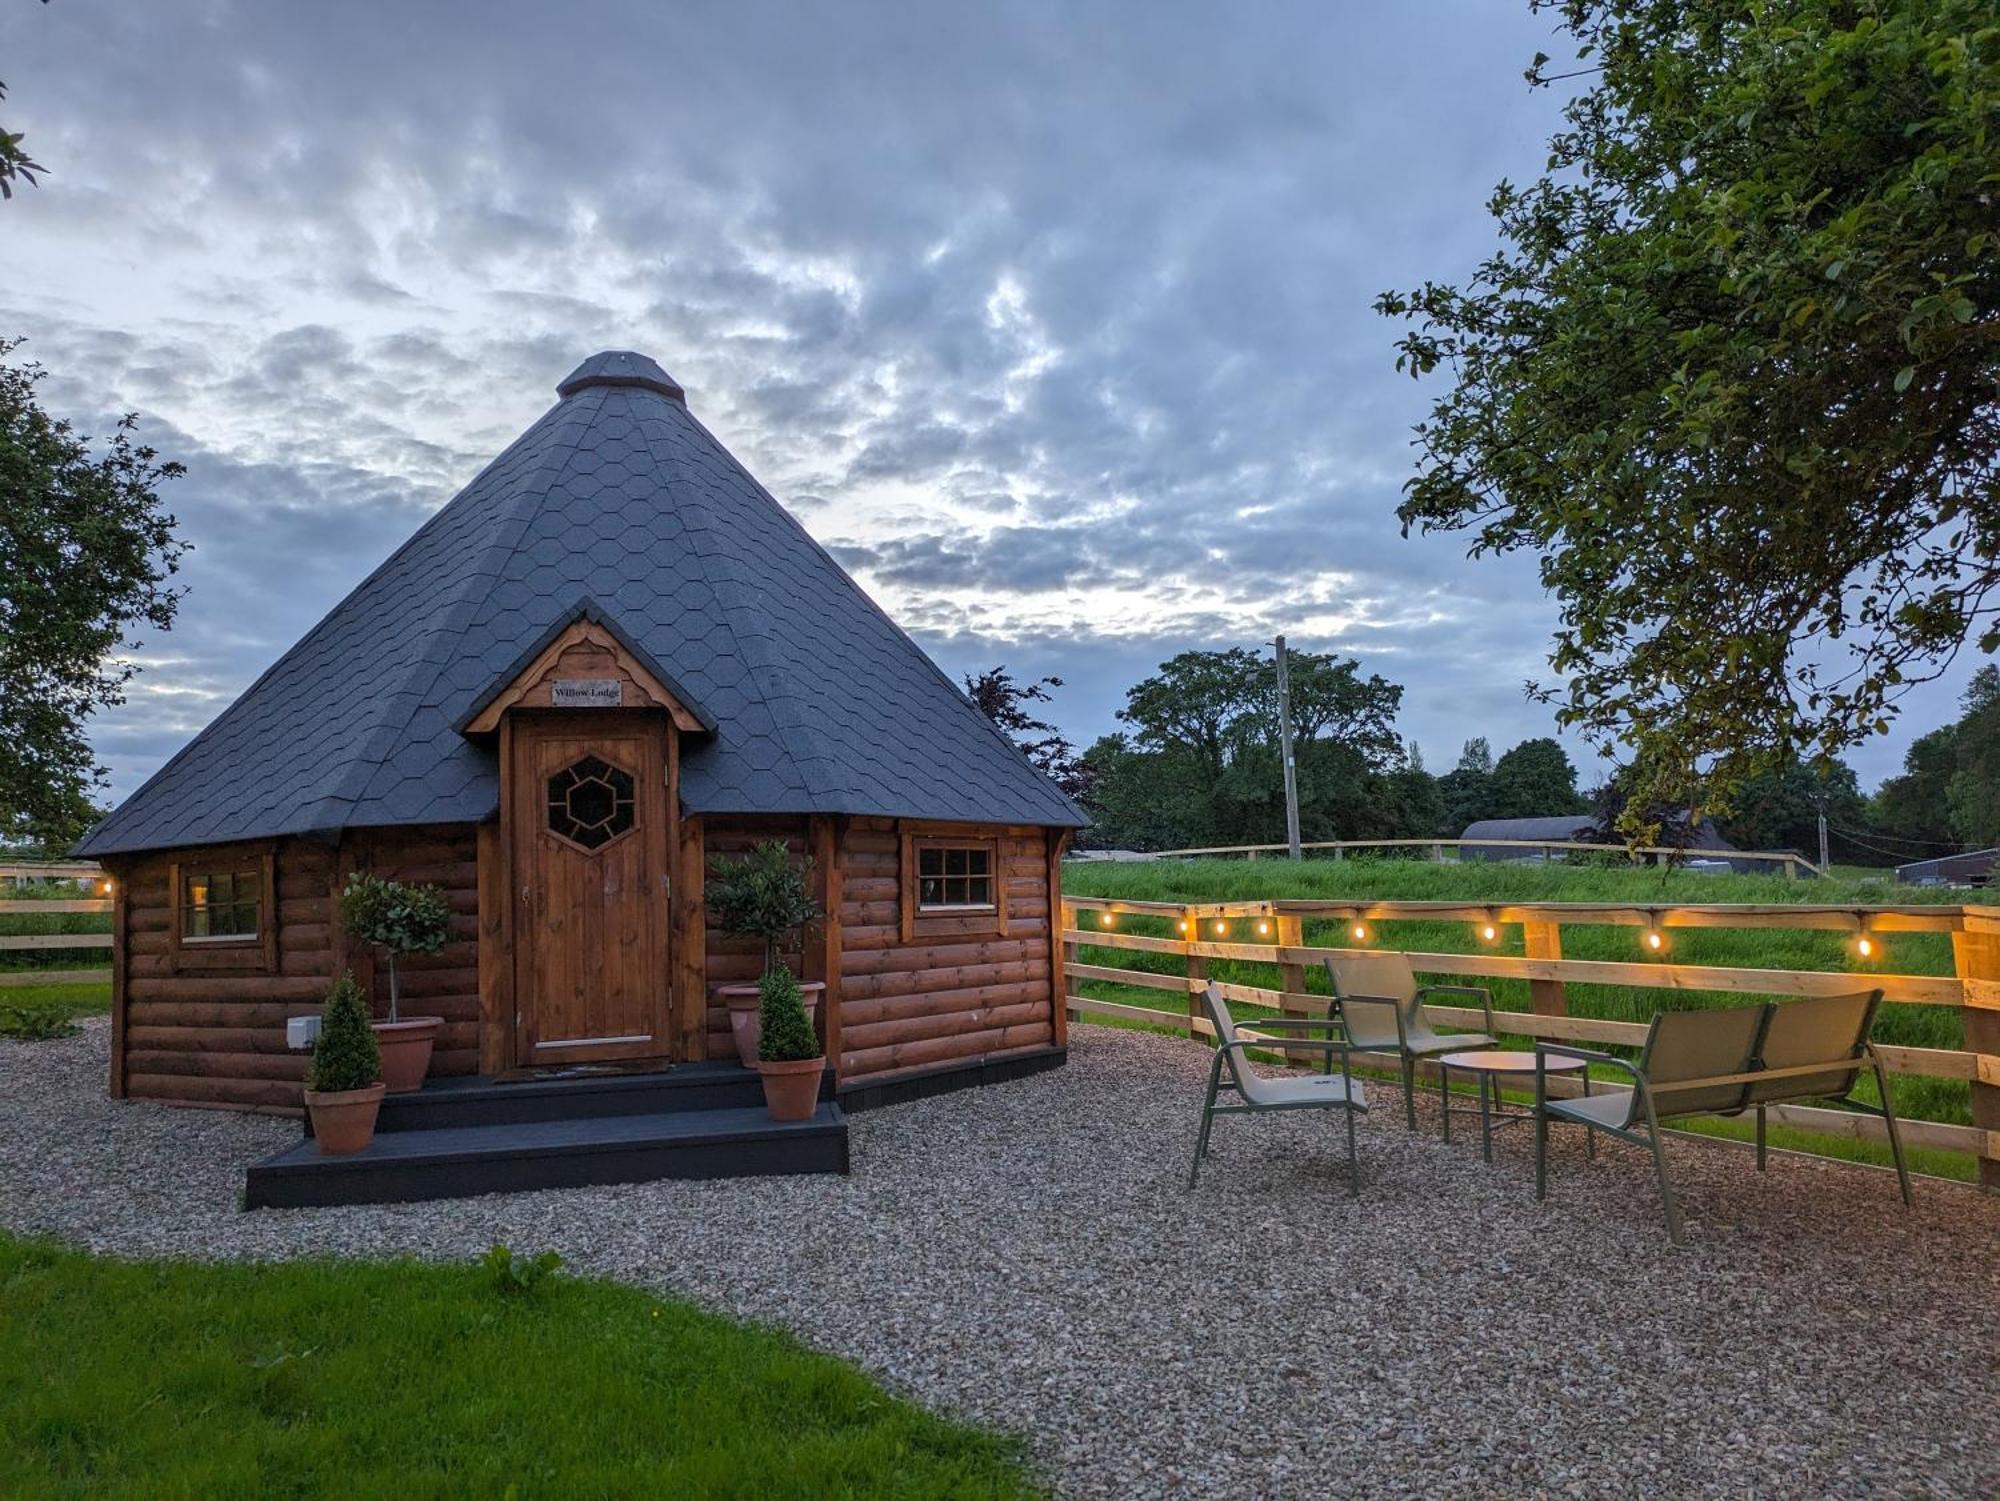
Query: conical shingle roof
point(616, 504)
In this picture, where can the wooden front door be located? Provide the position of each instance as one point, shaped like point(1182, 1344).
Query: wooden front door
point(591, 828)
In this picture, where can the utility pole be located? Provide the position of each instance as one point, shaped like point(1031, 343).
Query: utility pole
point(1285, 746)
point(1823, 860)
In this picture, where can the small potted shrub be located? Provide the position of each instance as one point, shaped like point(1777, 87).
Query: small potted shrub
point(788, 1056)
point(764, 896)
point(399, 919)
point(344, 1080)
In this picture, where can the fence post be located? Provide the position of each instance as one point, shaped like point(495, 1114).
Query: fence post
point(1066, 955)
point(1543, 940)
point(1437, 854)
point(1976, 958)
point(1288, 932)
point(1197, 969)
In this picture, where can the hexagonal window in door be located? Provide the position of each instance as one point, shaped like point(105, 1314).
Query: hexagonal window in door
point(590, 803)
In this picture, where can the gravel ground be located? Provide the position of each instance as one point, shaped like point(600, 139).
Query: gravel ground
point(1026, 1256)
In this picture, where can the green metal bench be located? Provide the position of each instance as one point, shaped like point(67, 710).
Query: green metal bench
point(1724, 1062)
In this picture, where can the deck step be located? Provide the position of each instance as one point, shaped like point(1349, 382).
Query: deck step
point(445, 1103)
point(453, 1162)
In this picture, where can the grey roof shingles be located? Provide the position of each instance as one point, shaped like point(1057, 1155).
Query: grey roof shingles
point(619, 502)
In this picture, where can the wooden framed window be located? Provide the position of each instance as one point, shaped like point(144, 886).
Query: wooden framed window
point(223, 910)
point(952, 885)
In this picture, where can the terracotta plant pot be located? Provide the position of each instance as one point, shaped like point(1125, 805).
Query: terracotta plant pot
point(747, 1026)
point(344, 1119)
point(406, 1051)
point(791, 1089)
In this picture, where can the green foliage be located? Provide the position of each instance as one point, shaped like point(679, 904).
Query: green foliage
point(15, 163)
point(35, 1020)
point(346, 1056)
point(761, 895)
point(1732, 373)
point(518, 1276)
point(1948, 796)
point(1201, 763)
point(382, 1381)
point(785, 1031)
point(85, 554)
point(397, 918)
point(1005, 700)
point(1779, 810)
point(1534, 780)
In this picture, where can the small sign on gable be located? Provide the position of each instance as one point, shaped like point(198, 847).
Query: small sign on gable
point(586, 693)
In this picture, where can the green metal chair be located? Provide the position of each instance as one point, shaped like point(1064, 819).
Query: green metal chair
point(1723, 1062)
point(1257, 1094)
point(1700, 1060)
point(1805, 1033)
point(1378, 998)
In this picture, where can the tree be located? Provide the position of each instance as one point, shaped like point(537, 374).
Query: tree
point(1948, 796)
point(1780, 811)
point(85, 554)
point(1001, 699)
point(1733, 373)
point(1466, 791)
point(15, 163)
point(1912, 812)
point(1973, 793)
point(1534, 780)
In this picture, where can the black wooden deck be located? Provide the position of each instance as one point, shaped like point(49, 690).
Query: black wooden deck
point(458, 1138)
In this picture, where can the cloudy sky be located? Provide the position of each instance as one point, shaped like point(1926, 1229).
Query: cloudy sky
point(1053, 321)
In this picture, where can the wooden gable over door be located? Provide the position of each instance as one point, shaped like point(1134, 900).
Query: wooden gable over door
point(577, 933)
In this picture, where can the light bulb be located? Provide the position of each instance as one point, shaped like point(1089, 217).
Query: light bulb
point(1106, 919)
point(1655, 939)
point(1361, 932)
point(1489, 932)
point(1263, 930)
point(1221, 927)
point(1183, 924)
point(1865, 946)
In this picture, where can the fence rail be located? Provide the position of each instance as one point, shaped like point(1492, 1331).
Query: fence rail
point(1271, 932)
point(15, 871)
point(1790, 861)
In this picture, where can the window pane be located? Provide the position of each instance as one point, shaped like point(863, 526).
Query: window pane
point(930, 862)
point(954, 862)
point(221, 904)
point(977, 861)
point(979, 891)
point(930, 892)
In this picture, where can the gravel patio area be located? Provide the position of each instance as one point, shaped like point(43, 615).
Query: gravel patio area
point(1026, 1255)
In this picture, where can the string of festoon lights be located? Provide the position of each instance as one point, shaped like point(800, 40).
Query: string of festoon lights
point(1652, 937)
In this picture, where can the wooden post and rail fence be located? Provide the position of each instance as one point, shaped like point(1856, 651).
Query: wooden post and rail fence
point(1787, 862)
point(1271, 933)
point(81, 872)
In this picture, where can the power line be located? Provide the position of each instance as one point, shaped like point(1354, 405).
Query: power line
point(1935, 844)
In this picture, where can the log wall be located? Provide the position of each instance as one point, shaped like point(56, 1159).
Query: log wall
point(197, 1037)
point(936, 1001)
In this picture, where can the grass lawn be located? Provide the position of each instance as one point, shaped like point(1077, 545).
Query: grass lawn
point(1411, 880)
point(354, 1380)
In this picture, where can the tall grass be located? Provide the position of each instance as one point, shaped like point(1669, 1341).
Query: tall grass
point(1501, 883)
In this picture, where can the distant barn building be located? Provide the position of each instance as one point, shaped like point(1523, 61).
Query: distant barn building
point(1973, 868)
point(1577, 829)
point(609, 659)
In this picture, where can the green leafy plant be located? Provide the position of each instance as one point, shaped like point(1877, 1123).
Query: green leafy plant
point(35, 1021)
point(346, 1055)
point(786, 1032)
point(396, 918)
point(518, 1276)
point(761, 895)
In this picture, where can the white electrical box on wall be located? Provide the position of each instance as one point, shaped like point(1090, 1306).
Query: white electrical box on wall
point(301, 1032)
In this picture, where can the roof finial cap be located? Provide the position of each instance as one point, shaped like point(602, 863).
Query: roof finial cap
point(621, 367)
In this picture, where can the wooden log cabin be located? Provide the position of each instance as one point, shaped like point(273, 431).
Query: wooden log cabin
point(611, 658)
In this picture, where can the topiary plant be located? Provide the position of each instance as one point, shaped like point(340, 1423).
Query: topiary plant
point(395, 918)
point(346, 1055)
point(761, 895)
point(787, 1032)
